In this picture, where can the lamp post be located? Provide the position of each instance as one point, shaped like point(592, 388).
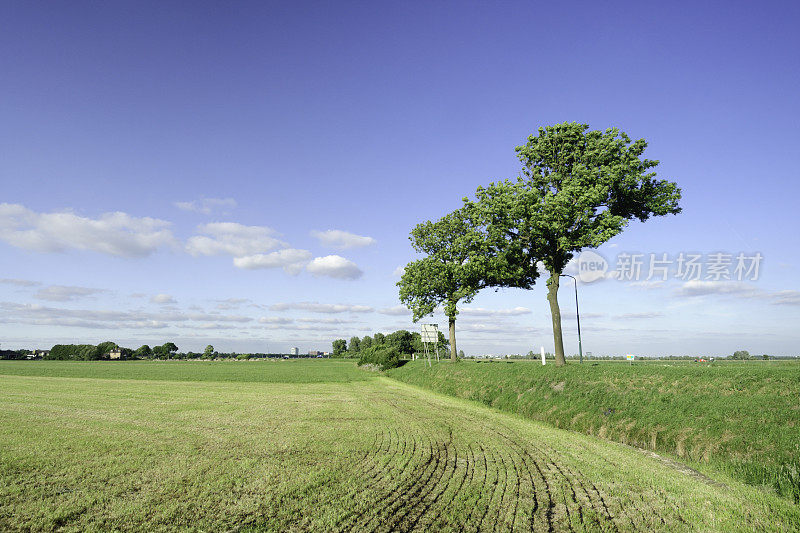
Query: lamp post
point(577, 315)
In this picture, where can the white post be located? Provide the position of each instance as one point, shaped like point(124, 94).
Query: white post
point(543, 356)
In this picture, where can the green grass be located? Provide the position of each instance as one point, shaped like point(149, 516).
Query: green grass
point(269, 371)
point(89, 454)
point(743, 418)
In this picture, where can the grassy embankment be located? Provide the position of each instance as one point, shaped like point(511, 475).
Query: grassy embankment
point(321, 445)
point(742, 418)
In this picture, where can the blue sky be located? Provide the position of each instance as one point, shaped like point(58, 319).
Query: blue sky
point(247, 174)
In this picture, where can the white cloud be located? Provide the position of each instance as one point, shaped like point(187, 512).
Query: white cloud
point(479, 311)
point(162, 299)
point(314, 328)
point(740, 289)
point(702, 288)
point(231, 303)
point(275, 320)
point(317, 320)
point(64, 293)
point(651, 314)
point(206, 206)
point(105, 319)
point(397, 310)
point(569, 315)
point(399, 271)
point(208, 325)
point(112, 233)
point(321, 308)
point(290, 259)
point(182, 317)
point(787, 297)
point(20, 282)
point(334, 266)
point(513, 331)
point(648, 285)
point(342, 240)
point(232, 238)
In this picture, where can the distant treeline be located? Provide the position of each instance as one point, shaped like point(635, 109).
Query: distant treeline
point(405, 342)
point(103, 351)
point(384, 351)
point(13, 354)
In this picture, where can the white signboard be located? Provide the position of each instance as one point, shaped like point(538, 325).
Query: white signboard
point(430, 333)
point(630, 357)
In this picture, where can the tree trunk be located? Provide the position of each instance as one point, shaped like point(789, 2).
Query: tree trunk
point(555, 313)
point(453, 352)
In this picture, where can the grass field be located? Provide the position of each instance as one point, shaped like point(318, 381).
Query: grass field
point(743, 418)
point(321, 445)
point(268, 370)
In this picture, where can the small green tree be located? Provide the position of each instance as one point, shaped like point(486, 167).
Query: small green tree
point(402, 340)
point(208, 352)
point(366, 342)
point(339, 347)
point(169, 349)
point(741, 355)
point(457, 265)
point(355, 345)
point(384, 357)
point(104, 348)
point(143, 351)
point(577, 189)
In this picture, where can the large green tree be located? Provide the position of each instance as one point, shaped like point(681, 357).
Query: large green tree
point(458, 263)
point(577, 189)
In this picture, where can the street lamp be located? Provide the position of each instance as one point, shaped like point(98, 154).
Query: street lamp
point(577, 314)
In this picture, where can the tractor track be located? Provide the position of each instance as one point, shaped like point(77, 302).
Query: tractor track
point(421, 469)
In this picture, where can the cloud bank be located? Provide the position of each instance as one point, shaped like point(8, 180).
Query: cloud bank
point(342, 240)
point(290, 259)
point(232, 238)
point(206, 206)
point(117, 233)
point(334, 266)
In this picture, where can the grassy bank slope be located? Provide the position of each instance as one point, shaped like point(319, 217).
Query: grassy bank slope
point(741, 418)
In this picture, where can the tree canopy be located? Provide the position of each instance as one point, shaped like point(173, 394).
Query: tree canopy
point(458, 263)
point(577, 189)
point(339, 347)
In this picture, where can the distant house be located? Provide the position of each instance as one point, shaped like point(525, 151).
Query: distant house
point(116, 353)
point(38, 354)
